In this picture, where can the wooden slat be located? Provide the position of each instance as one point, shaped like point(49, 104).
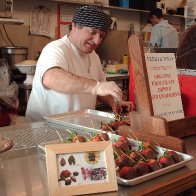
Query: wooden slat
point(182, 127)
point(164, 141)
point(172, 186)
point(144, 119)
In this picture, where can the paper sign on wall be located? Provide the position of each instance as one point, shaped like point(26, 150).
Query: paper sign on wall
point(164, 86)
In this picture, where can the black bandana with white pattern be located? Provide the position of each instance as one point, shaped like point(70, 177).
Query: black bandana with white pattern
point(93, 17)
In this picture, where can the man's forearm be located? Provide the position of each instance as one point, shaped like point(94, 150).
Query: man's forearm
point(63, 81)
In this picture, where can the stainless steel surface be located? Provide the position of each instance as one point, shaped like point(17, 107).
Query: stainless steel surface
point(31, 137)
point(84, 118)
point(13, 55)
point(22, 172)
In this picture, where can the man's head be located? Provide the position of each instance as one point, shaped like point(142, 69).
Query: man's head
point(89, 26)
point(155, 16)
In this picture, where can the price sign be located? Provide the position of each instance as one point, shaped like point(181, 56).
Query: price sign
point(164, 86)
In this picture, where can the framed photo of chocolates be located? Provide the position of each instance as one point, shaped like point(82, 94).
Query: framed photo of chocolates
point(80, 168)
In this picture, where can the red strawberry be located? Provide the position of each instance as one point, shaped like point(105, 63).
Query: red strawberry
point(122, 145)
point(65, 174)
point(166, 161)
point(142, 168)
point(125, 140)
point(114, 125)
point(104, 136)
point(78, 139)
point(128, 173)
point(124, 160)
point(116, 108)
point(175, 156)
point(135, 155)
point(153, 165)
point(106, 127)
point(117, 150)
point(97, 138)
point(148, 153)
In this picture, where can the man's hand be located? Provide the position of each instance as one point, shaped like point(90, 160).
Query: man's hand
point(108, 88)
point(128, 105)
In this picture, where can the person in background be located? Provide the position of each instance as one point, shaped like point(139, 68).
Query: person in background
point(163, 34)
point(69, 74)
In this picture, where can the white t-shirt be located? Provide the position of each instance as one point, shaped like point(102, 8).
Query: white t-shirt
point(62, 53)
point(164, 35)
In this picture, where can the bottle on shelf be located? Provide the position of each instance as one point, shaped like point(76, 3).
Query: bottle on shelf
point(8, 8)
point(126, 62)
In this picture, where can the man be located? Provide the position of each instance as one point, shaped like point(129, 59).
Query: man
point(163, 35)
point(69, 75)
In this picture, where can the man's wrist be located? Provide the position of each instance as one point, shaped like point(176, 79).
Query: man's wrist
point(94, 91)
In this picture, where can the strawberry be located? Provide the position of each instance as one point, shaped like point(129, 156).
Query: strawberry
point(65, 174)
point(114, 125)
point(128, 173)
point(175, 156)
point(97, 138)
point(135, 155)
point(125, 140)
point(122, 145)
point(104, 136)
point(116, 108)
point(153, 165)
point(141, 168)
point(148, 153)
point(166, 161)
point(78, 139)
point(117, 150)
point(106, 127)
point(124, 160)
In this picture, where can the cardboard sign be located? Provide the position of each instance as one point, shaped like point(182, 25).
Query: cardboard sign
point(164, 86)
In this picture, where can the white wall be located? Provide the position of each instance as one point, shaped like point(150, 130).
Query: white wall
point(22, 11)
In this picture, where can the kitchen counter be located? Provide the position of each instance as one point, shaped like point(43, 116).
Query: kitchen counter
point(23, 171)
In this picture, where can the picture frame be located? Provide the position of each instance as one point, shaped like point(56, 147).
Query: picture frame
point(80, 168)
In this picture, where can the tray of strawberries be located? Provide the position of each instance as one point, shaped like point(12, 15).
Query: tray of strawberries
point(138, 161)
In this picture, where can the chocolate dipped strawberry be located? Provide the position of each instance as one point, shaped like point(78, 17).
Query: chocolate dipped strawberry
point(116, 108)
point(122, 145)
point(106, 127)
point(166, 160)
point(100, 137)
point(136, 156)
point(175, 156)
point(124, 160)
point(153, 165)
point(104, 136)
point(128, 173)
point(141, 168)
point(148, 153)
point(78, 139)
point(125, 140)
point(114, 124)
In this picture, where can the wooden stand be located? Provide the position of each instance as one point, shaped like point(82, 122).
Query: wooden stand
point(143, 118)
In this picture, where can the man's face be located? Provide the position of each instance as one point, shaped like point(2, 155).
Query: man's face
point(87, 39)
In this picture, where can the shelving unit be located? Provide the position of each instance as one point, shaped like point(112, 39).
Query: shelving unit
point(11, 21)
point(108, 7)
